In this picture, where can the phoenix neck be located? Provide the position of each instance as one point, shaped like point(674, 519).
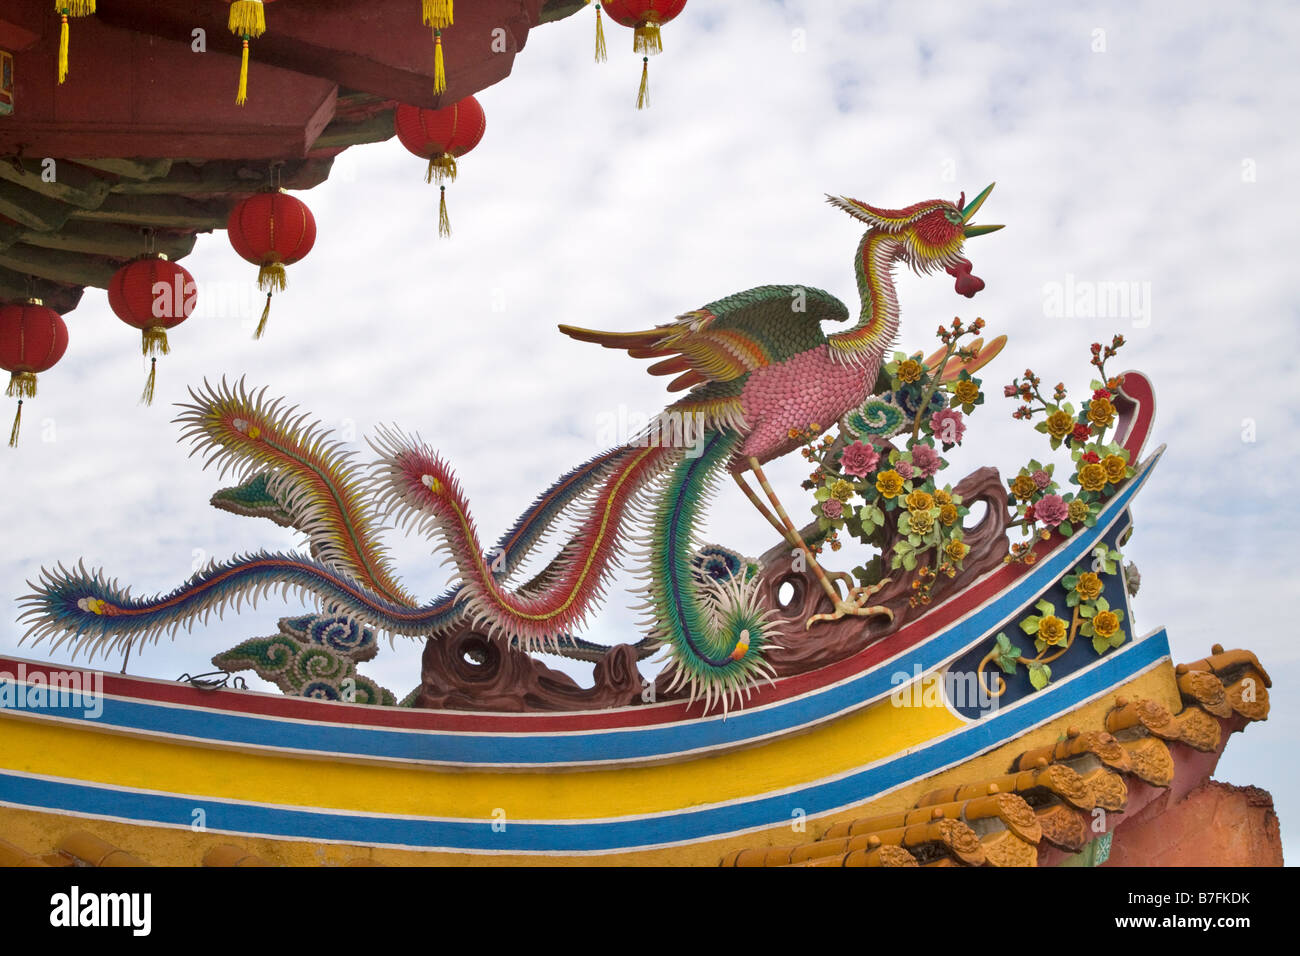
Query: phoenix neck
point(878, 323)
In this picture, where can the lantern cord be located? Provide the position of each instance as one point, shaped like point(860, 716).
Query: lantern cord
point(643, 95)
point(601, 57)
point(63, 49)
point(444, 223)
point(439, 68)
point(266, 315)
point(146, 397)
point(18, 421)
point(241, 97)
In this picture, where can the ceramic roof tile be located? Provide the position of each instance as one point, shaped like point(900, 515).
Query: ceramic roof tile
point(1199, 730)
point(1097, 742)
point(1005, 849)
point(1246, 695)
point(1228, 664)
point(1150, 715)
point(11, 855)
point(1064, 826)
point(1108, 787)
point(1152, 761)
point(1055, 778)
point(90, 850)
point(1204, 688)
point(227, 855)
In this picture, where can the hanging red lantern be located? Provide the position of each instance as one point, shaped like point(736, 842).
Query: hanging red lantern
point(645, 18)
point(33, 338)
point(438, 14)
point(153, 295)
point(65, 9)
point(247, 20)
point(272, 230)
point(440, 136)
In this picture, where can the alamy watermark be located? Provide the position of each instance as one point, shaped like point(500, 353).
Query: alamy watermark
point(1105, 299)
point(960, 689)
point(668, 429)
point(53, 690)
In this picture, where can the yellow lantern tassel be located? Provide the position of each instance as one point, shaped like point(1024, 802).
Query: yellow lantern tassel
point(146, 397)
point(75, 8)
point(241, 97)
point(63, 49)
point(22, 385)
point(646, 38)
point(444, 223)
point(441, 167)
point(439, 68)
point(18, 421)
point(153, 341)
point(643, 95)
point(271, 277)
point(438, 13)
point(266, 315)
point(600, 37)
point(247, 18)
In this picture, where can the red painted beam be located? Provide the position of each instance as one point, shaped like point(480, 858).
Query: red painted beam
point(130, 94)
point(379, 46)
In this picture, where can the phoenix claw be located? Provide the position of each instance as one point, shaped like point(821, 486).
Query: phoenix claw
point(855, 605)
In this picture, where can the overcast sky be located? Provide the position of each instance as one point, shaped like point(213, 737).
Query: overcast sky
point(1152, 144)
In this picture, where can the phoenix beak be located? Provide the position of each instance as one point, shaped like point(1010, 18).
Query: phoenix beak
point(973, 207)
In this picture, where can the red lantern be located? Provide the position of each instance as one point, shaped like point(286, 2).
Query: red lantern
point(271, 230)
point(152, 295)
point(32, 339)
point(440, 136)
point(644, 17)
point(247, 20)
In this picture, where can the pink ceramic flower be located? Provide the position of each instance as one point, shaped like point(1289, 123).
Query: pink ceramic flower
point(927, 459)
point(948, 426)
point(859, 460)
point(833, 508)
point(905, 469)
point(1051, 510)
point(1041, 478)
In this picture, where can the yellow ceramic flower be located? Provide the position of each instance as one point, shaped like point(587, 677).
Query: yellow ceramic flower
point(957, 550)
point(1115, 467)
point(942, 497)
point(909, 371)
point(1105, 624)
point(889, 483)
point(1092, 477)
point(918, 501)
point(1078, 511)
point(920, 522)
point(842, 490)
point(1052, 630)
point(967, 391)
point(948, 515)
point(1024, 487)
point(1101, 412)
point(1059, 424)
point(1088, 586)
